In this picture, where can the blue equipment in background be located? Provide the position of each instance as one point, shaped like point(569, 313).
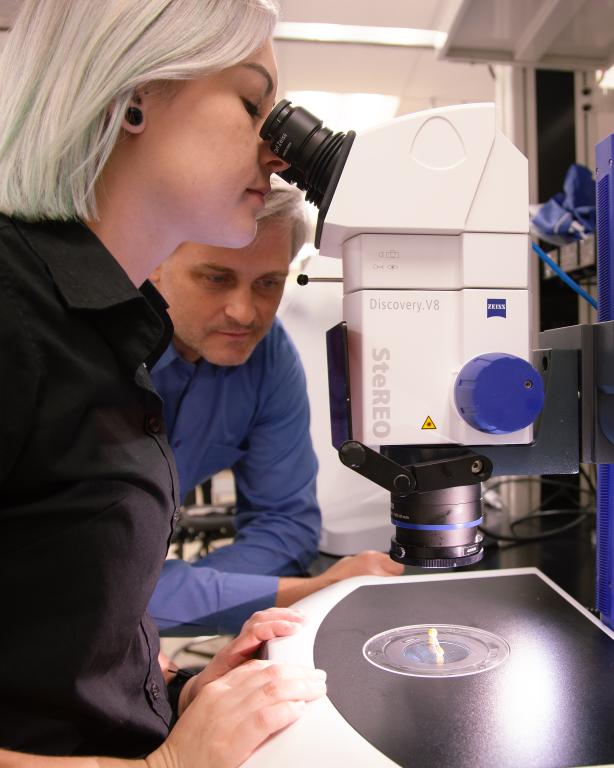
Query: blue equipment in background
point(605, 472)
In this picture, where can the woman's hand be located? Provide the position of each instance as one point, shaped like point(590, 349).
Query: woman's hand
point(232, 715)
point(262, 626)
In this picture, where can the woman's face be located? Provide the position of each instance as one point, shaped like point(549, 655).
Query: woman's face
point(202, 163)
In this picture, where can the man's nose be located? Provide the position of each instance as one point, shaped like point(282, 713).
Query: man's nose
point(240, 307)
point(270, 160)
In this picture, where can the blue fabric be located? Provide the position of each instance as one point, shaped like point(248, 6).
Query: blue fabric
point(254, 419)
point(570, 214)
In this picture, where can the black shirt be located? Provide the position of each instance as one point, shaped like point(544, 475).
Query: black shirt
point(88, 496)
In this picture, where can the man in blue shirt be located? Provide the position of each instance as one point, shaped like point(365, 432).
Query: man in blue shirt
point(235, 397)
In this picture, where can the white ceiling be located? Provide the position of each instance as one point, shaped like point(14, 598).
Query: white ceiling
point(568, 34)
point(482, 31)
point(417, 76)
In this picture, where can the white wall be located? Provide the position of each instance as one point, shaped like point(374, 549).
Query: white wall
point(604, 113)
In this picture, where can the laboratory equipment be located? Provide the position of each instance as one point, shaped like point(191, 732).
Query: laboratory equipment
point(427, 400)
point(436, 309)
point(545, 703)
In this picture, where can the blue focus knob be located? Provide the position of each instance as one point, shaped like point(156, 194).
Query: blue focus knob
point(499, 393)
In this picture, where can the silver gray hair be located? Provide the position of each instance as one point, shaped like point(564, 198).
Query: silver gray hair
point(286, 203)
point(69, 70)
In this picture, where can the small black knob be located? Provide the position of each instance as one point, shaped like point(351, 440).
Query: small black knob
point(352, 454)
point(302, 279)
point(402, 483)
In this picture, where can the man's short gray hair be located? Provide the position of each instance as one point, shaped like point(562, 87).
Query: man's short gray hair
point(286, 202)
point(69, 70)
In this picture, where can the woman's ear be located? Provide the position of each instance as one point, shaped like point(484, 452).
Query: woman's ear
point(156, 275)
point(134, 116)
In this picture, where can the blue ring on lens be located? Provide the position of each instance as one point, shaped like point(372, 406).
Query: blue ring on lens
point(450, 527)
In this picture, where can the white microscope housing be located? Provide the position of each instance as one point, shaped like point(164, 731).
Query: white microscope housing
point(429, 213)
point(435, 269)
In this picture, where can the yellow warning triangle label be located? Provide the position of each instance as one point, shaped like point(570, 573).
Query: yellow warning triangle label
point(429, 423)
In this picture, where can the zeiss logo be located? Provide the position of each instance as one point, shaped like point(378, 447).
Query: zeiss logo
point(496, 308)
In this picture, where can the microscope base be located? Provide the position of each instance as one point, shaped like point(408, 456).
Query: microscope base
point(547, 704)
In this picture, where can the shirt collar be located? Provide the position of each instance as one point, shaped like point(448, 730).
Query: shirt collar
point(88, 278)
point(85, 273)
point(169, 356)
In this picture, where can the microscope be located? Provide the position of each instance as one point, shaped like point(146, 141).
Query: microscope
point(434, 383)
point(437, 383)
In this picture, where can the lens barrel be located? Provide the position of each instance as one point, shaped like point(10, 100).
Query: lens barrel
point(438, 529)
point(316, 155)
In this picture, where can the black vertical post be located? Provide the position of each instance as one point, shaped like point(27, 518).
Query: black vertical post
point(556, 151)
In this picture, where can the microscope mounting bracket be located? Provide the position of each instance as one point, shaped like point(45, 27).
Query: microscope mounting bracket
point(467, 469)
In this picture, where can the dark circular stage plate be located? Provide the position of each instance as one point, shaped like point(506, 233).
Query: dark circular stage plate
point(547, 704)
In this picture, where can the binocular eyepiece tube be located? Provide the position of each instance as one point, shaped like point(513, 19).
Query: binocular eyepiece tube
point(316, 155)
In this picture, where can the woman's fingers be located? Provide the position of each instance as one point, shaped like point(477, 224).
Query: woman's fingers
point(261, 627)
point(265, 625)
point(232, 716)
point(273, 681)
point(252, 637)
point(276, 697)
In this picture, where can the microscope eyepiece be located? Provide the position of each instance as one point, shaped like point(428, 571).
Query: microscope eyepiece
point(316, 155)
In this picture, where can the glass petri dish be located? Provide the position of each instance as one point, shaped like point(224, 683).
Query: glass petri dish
point(452, 651)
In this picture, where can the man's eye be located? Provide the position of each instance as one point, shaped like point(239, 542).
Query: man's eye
point(216, 279)
point(270, 283)
point(252, 109)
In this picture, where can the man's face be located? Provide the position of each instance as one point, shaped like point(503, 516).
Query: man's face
point(222, 301)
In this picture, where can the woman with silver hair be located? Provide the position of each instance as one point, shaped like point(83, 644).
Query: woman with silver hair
point(126, 128)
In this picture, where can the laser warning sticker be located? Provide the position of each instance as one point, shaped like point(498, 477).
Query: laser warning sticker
point(428, 423)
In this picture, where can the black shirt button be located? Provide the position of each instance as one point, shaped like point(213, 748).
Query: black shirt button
point(155, 691)
point(153, 424)
point(176, 515)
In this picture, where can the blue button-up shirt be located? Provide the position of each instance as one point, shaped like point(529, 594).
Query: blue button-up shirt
point(254, 419)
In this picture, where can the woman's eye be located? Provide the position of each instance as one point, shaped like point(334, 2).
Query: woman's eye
point(252, 109)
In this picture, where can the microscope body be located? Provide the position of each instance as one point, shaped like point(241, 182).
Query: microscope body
point(431, 383)
point(418, 308)
point(436, 338)
point(435, 271)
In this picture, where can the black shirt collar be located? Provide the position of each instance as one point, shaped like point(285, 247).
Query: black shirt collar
point(89, 278)
point(85, 273)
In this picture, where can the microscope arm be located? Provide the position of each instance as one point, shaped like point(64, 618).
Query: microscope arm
point(422, 476)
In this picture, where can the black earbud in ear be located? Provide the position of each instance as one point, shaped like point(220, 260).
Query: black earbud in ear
point(134, 116)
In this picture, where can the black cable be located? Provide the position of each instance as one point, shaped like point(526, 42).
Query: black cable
point(580, 514)
point(558, 484)
point(540, 481)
